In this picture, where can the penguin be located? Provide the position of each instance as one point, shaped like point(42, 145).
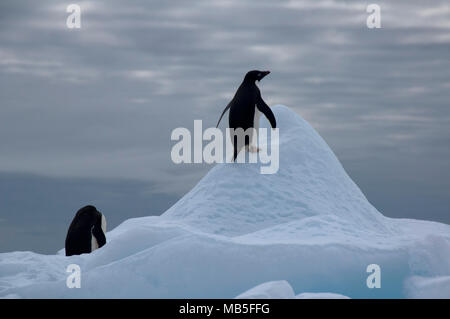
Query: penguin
point(245, 108)
point(86, 232)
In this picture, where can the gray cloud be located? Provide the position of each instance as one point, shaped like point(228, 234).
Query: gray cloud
point(101, 101)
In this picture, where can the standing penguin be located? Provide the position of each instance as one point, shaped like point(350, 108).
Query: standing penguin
point(86, 232)
point(244, 114)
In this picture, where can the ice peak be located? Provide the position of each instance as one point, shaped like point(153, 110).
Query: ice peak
point(235, 199)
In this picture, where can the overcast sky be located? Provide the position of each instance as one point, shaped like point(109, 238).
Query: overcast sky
point(86, 106)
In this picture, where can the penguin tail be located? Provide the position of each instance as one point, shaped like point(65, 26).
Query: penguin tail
point(235, 154)
point(224, 111)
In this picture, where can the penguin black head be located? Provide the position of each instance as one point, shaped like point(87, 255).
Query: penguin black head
point(255, 75)
point(88, 210)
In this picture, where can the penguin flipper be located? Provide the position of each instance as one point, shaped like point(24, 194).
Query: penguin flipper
point(224, 111)
point(265, 109)
point(99, 235)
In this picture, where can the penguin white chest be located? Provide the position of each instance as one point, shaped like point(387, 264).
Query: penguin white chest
point(256, 126)
point(256, 118)
point(94, 242)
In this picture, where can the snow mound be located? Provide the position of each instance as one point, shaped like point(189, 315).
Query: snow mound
point(269, 290)
point(283, 290)
point(320, 295)
point(308, 224)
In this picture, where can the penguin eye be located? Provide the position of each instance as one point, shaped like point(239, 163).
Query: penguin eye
point(259, 74)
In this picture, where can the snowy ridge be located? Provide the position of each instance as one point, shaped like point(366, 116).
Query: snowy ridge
point(307, 228)
point(282, 290)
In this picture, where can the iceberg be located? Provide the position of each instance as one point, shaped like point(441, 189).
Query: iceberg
point(305, 232)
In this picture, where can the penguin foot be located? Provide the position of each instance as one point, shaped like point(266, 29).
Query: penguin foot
point(253, 149)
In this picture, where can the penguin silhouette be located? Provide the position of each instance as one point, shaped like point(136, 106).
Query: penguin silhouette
point(86, 232)
point(245, 108)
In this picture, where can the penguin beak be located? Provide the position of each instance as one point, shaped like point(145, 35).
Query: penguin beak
point(264, 74)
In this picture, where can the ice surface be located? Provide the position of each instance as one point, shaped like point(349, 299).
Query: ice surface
point(269, 290)
point(320, 295)
point(434, 287)
point(283, 290)
point(308, 226)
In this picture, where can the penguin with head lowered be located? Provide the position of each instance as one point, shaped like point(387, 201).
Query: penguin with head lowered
point(245, 108)
point(86, 232)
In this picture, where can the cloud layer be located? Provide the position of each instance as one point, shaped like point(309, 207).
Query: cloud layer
point(101, 101)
